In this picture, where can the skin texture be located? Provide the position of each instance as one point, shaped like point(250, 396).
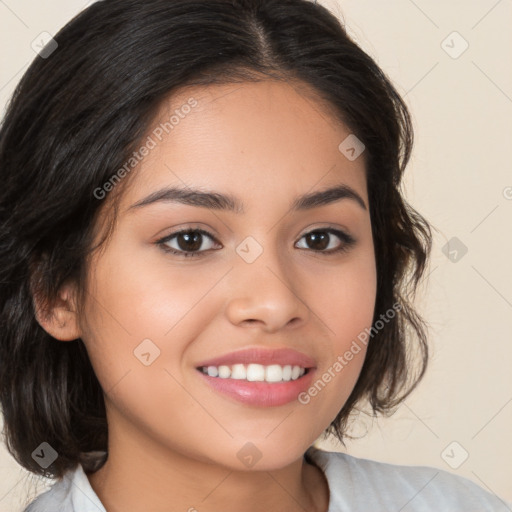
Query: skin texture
point(173, 440)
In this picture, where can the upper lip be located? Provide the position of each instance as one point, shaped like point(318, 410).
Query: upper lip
point(265, 357)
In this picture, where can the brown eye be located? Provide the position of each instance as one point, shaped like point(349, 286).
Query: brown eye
point(187, 242)
point(321, 239)
point(318, 240)
point(190, 242)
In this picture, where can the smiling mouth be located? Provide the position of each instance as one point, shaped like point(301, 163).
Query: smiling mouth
point(256, 372)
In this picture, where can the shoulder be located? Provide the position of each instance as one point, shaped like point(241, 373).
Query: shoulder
point(360, 484)
point(72, 493)
point(55, 498)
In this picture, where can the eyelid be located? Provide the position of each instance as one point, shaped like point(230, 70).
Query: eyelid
point(347, 240)
point(167, 238)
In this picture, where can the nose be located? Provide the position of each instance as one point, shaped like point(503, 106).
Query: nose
point(266, 293)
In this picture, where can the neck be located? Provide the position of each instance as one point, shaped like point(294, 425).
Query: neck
point(141, 476)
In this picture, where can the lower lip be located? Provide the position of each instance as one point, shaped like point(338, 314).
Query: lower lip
point(263, 394)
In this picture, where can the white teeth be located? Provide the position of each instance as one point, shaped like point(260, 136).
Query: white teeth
point(224, 372)
point(256, 372)
point(213, 371)
point(238, 371)
point(273, 373)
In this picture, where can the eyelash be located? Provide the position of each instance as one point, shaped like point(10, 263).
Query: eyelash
point(347, 241)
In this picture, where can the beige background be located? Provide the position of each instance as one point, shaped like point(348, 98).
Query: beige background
point(460, 178)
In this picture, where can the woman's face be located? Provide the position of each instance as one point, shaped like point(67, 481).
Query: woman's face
point(260, 289)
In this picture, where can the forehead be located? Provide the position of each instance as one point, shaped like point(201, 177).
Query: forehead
point(259, 140)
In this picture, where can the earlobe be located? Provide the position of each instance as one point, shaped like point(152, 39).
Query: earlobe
point(61, 320)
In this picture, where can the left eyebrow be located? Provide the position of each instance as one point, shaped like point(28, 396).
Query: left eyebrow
point(219, 201)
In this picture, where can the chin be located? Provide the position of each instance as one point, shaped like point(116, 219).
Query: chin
point(263, 454)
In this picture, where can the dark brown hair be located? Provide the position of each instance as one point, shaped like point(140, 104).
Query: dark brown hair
point(78, 114)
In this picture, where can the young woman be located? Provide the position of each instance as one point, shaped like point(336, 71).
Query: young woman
point(206, 263)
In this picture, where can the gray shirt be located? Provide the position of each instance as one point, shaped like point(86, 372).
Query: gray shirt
point(354, 485)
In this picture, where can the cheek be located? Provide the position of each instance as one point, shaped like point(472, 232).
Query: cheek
point(346, 309)
point(139, 311)
point(352, 307)
point(136, 331)
point(140, 298)
point(345, 301)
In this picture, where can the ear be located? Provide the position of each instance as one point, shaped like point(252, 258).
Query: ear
point(61, 319)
